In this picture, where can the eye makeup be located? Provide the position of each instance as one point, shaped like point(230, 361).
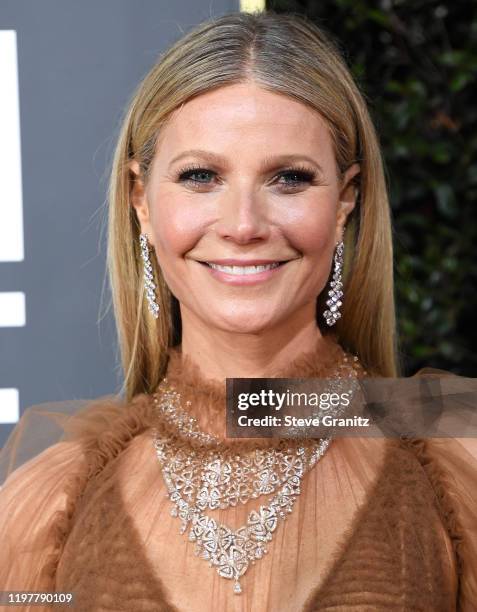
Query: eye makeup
point(295, 176)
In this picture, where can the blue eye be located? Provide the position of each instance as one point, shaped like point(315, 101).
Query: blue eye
point(300, 176)
point(188, 174)
point(197, 176)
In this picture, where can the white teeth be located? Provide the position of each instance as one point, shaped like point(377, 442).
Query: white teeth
point(243, 269)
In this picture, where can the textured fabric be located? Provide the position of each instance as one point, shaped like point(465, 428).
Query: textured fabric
point(380, 524)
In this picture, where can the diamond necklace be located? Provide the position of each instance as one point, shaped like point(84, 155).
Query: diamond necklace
point(213, 476)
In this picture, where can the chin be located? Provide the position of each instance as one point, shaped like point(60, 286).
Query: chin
point(242, 323)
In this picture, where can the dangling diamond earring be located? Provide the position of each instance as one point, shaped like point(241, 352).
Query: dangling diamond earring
point(148, 277)
point(335, 293)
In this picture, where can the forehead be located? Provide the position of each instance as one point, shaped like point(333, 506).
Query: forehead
point(245, 116)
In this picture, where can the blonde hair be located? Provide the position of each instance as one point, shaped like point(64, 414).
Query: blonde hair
point(287, 54)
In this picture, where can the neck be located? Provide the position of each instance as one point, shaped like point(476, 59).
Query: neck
point(223, 354)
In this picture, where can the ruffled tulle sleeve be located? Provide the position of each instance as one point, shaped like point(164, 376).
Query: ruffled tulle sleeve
point(40, 426)
point(43, 469)
point(32, 500)
point(451, 467)
point(449, 459)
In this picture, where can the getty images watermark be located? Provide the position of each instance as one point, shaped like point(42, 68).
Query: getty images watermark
point(328, 404)
point(434, 405)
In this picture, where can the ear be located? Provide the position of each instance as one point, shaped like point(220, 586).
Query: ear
point(138, 200)
point(347, 198)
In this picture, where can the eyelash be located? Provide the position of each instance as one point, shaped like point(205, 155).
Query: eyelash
point(305, 174)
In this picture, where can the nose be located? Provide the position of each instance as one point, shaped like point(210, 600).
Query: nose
point(243, 216)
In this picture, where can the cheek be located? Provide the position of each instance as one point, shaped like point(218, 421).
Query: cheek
point(311, 229)
point(176, 228)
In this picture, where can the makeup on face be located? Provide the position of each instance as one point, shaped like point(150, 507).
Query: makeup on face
point(243, 197)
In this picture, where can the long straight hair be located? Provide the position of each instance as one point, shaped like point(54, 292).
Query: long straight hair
point(287, 54)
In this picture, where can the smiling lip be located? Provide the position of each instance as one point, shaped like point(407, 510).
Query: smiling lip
point(243, 262)
point(242, 277)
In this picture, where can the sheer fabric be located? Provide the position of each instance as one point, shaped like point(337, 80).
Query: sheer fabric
point(380, 524)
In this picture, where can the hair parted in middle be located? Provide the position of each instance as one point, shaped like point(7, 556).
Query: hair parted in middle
point(289, 55)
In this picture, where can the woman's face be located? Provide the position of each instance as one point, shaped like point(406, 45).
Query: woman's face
point(244, 207)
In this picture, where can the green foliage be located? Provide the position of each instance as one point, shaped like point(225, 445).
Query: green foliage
point(416, 63)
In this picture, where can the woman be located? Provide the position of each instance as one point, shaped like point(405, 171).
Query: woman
point(245, 154)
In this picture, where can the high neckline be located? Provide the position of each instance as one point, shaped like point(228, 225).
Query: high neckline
point(183, 371)
point(205, 398)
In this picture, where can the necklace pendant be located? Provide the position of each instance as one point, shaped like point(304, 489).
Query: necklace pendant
point(216, 479)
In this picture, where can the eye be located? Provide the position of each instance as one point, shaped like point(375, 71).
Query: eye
point(195, 175)
point(198, 176)
point(296, 176)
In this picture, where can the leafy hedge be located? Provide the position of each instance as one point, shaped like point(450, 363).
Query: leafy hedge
point(416, 63)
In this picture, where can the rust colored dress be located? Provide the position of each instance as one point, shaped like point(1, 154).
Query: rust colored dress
point(381, 523)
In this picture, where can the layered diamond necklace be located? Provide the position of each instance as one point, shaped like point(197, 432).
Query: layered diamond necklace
point(202, 473)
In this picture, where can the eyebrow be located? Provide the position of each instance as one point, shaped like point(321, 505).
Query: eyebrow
point(270, 162)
